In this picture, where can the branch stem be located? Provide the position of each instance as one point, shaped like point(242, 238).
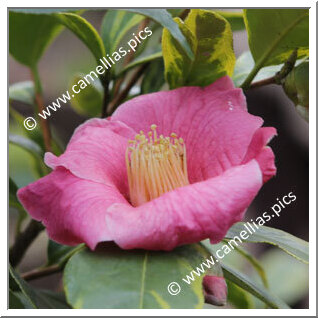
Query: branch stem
point(279, 77)
point(41, 272)
point(124, 93)
point(23, 241)
point(106, 98)
point(40, 106)
point(264, 82)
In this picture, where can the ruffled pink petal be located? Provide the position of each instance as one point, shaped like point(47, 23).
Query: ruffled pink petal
point(213, 121)
point(259, 150)
point(96, 152)
point(215, 290)
point(189, 214)
point(72, 209)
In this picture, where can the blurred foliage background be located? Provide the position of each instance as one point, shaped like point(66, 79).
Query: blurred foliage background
point(68, 56)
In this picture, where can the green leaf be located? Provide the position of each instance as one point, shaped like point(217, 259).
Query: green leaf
point(296, 87)
point(247, 284)
point(27, 291)
point(210, 38)
point(46, 299)
point(235, 19)
point(84, 31)
point(290, 285)
point(273, 34)
point(59, 254)
point(42, 11)
point(244, 65)
point(115, 24)
point(255, 263)
point(15, 203)
point(22, 92)
point(139, 61)
point(32, 148)
point(175, 12)
point(29, 145)
point(115, 278)
point(164, 18)
point(29, 36)
point(14, 301)
point(13, 200)
point(89, 101)
point(154, 78)
point(35, 135)
point(238, 296)
point(33, 298)
point(50, 300)
point(264, 234)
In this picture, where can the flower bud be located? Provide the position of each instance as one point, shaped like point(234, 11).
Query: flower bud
point(215, 290)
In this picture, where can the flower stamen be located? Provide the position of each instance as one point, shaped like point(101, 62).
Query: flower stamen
point(155, 165)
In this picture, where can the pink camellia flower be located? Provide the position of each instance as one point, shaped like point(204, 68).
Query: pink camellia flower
point(167, 169)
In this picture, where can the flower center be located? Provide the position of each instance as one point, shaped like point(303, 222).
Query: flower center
point(155, 165)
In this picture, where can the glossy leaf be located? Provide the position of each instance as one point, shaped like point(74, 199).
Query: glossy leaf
point(264, 234)
point(238, 297)
point(59, 254)
point(235, 19)
point(245, 63)
point(175, 12)
point(247, 284)
point(89, 100)
point(35, 298)
point(15, 203)
point(44, 298)
point(51, 300)
point(13, 200)
point(32, 148)
point(296, 87)
point(84, 31)
point(27, 291)
point(36, 134)
point(141, 60)
point(210, 38)
point(273, 34)
point(115, 24)
point(290, 285)
point(164, 18)
point(154, 78)
point(27, 144)
point(41, 11)
point(29, 36)
point(255, 263)
point(115, 278)
point(14, 301)
point(22, 92)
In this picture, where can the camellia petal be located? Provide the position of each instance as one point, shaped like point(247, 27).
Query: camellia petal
point(86, 198)
point(72, 209)
point(259, 150)
point(213, 122)
point(189, 214)
point(96, 152)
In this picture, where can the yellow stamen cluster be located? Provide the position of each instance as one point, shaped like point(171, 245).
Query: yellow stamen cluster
point(155, 165)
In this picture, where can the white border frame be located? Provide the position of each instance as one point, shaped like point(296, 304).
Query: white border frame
point(312, 163)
